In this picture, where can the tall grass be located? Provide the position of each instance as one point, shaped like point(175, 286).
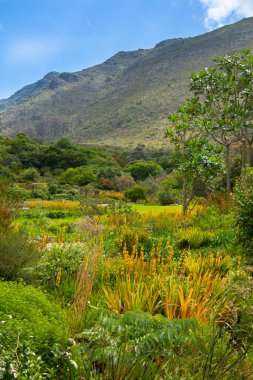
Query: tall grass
point(84, 285)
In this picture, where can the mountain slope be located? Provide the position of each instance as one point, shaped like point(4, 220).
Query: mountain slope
point(123, 100)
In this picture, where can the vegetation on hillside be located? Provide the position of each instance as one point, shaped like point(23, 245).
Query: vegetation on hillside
point(123, 100)
point(95, 285)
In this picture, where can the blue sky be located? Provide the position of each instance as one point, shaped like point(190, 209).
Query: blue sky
point(38, 36)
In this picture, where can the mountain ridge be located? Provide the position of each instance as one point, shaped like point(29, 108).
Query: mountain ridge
point(123, 100)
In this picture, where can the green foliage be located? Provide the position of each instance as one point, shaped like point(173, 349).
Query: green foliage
point(139, 346)
point(135, 194)
point(9, 202)
point(31, 313)
point(141, 170)
point(32, 328)
point(65, 260)
point(199, 161)
point(16, 254)
point(29, 175)
point(227, 87)
point(194, 238)
point(167, 193)
point(244, 209)
point(78, 176)
point(133, 345)
point(124, 182)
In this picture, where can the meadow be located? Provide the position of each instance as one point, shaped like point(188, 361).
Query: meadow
point(129, 292)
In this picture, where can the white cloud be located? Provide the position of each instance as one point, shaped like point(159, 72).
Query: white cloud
point(31, 50)
point(218, 12)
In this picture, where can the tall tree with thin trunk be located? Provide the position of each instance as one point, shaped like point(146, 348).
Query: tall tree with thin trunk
point(225, 94)
point(198, 160)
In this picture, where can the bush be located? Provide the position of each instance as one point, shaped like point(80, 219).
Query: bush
point(170, 189)
point(59, 267)
point(194, 237)
point(165, 197)
point(29, 175)
point(135, 194)
point(140, 346)
point(9, 202)
point(31, 313)
point(140, 170)
point(39, 194)
point(15, 255)
point(80, 176)
point(124, 182)
point(244, 208)
point(31, 330)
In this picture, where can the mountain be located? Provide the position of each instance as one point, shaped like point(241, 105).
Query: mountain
point(124, 100)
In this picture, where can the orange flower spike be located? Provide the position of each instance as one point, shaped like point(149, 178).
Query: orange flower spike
point(152, 252)
point(239, 262)
point(58, 277)
point(171, 254)
point(125, 250)
point(142, 254)
point(167, 243)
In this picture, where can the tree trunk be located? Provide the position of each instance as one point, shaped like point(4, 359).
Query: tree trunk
point(250, 154)
point(228, 170)
point(184, 196)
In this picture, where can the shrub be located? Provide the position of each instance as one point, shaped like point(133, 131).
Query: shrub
point(134, 346)
point(140, 346)
point(140, 170)
point(124, 182)
point(9, 202)
point(78, 176)
point(113, 195)
point(15, 255)
point(29, 175)
point(194, 238)
point(31, 330)
point(170, 189)
point(165, 197)
point(39, 193)
point(244, 208)
point(59, 268)
point(31, 313)
point(135, 194)
point(105, 183)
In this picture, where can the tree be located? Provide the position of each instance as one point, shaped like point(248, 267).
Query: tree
point(78, 176)
point(198, 160)
point(141, 170)
point(225, 97)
